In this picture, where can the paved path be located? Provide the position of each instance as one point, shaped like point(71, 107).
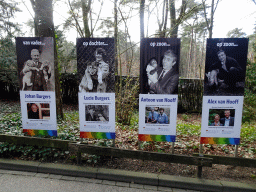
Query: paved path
point(20, 181)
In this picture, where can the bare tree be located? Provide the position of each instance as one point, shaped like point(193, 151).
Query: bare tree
point(185, 13)
point(142, 8)
point(209, 22)
point(44, 27)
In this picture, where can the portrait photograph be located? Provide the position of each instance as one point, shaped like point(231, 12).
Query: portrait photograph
point(159, 67)
point(38, 111)
point(157, 115)
point(225, 66)
point(221, 117)
point(98, 113)
point(95, 65)
point(35, 58)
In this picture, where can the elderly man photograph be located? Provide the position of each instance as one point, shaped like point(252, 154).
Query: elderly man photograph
point(226, 70)
point(228, 120)
point(168, 76)
point(162, 118)
point(39, 75)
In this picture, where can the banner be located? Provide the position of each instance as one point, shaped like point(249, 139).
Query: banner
point(159, 73)
point(225, 70)
point(96, 74)
point(35, 58)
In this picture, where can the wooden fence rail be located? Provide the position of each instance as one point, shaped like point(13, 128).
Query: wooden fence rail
point(142, 155)
point(35, 141)
point(235, 161)
point(108, 151)
point(205, 161)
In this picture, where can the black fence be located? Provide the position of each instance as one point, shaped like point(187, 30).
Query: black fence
point(190, 90)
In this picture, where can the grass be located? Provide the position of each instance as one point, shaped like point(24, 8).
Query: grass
point(188, 129)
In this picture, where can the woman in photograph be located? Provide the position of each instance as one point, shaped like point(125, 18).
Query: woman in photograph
point(94, 79)
point(216, 121)
point(33, 112)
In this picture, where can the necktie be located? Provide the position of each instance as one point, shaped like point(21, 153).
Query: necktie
point(161, 76)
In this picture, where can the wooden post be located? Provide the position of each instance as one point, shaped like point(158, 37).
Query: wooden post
point(114, 143)
point(79, 157)
point(173, 147)
point(199, 171)
point(139, 145)
point(201, 150)
point(236, 150)
point(200, 168)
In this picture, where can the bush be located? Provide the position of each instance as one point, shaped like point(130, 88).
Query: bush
point(126, 99)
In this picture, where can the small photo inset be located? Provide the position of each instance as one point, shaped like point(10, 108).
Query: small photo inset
point(221, 117)
point(157, 115)
point(38, 111)
point(97, 113)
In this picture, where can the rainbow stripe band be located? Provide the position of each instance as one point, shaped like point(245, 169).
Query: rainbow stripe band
point(219, 140)
point(168, 138)
point(34, 132)
point(97, 135)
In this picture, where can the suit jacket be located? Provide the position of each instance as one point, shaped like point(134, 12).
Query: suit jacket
point(168, 84)
point(231, 122)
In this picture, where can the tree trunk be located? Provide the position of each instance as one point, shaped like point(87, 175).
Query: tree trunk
point(211, 23)
point(166, 17)
point(176, 22)
point(174, 29)
point(190, 53)
point(86, 6)
point(142, 7)
point(115, 35)
point(44, 27)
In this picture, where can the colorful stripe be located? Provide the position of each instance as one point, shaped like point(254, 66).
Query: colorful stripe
point(168, 138)
point(219, 140)
point(33, 132)
point(97, 135)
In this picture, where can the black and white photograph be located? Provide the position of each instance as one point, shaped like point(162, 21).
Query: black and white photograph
point(95, 65)
point(157, 115)
point(38, 111)
point(221, 117)
point(97, 113)
point(35, 57)
point(225, 66)
point(160, 65)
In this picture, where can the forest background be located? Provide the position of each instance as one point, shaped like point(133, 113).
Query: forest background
point(191, 20)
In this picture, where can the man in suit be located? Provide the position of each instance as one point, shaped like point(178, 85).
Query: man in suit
point(168, 76)
point(38, 77)
point(227, 121)
point(226, 70)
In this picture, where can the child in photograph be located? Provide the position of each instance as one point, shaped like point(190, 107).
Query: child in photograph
point(29, 66)
point(152, 70)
